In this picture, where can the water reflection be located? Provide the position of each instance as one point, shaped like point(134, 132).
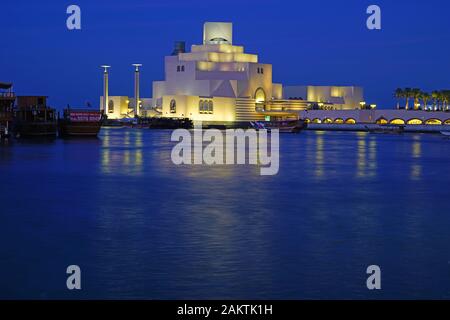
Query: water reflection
point(320, 156)
point(366, 155)
point(145, 228)
point(122, 152)
point(416, 166)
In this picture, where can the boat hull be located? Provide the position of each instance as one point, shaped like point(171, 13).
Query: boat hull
point(79, 129)
point(35, 129)
point(288, 126)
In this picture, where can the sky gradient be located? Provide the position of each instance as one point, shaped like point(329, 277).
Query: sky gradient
point(308, 42)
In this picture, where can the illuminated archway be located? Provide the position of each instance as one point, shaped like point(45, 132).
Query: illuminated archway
point(327, 120)
point(339, 121)
point(307, 120)
point(317, 120)
point(447, 121)
point(260, 95)
point(397, 121)
point(433, 122)
point(382, 121)
point(350, 121)
point(414, 121)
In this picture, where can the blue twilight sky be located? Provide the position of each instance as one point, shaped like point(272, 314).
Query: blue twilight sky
point(320, 42)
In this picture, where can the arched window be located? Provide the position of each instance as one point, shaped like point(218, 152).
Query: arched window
point(307, 120)
point(433, 121)
point(397, 121)
point(327, 120)
point(210, 107)
point(382, 121)
point(110, 106)
point(350, 121)
point(339, 121)
point(415, 121)
point(173, 106)
point(317, 120)
point(447, 121)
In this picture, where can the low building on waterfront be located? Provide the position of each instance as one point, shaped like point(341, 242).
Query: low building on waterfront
point(122, 107)
point(329, 97)
point(414, 120)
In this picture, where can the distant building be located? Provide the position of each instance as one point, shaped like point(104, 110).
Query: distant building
point(333, 97)
point(121, 107)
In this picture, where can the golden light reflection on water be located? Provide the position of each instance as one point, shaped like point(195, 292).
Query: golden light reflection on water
point(416, 166)
point(116, 160)
point(320, 157)
point(366, 156)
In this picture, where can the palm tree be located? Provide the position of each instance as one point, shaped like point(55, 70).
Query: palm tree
point(441, 99)
point(435, 95)
point(399, 93)
point(415, 93)
point(407, 92)
point(425, 96)
point(445, 99)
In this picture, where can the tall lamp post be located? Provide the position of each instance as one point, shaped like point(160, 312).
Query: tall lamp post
point(137, 111)
point(105, 88)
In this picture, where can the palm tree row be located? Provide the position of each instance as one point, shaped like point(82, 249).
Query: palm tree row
point(440, 99)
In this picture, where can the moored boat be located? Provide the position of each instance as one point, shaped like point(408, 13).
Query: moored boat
point(33, 118)
point(284, 126)
point(169, 123)
point(387, 129)
point(7, 99)
point(80, 123)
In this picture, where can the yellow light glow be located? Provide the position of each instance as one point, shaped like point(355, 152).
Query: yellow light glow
point(433, 122)
point(415, 121)
point(398, 121)
point(350, 121)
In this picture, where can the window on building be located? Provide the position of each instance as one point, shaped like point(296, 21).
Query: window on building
point(262, 70)
point(205, 107)
point(182, 68)
point(110, 106)
point(173, 106)
point(210, 107)
point(178, 68)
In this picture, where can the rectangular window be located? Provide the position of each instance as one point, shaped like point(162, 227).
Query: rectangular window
point(178, 68)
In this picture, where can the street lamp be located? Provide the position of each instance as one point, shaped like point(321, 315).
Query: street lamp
point(136, 88)
point(105, 87)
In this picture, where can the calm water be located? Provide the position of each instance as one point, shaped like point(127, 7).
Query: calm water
point(140, 227)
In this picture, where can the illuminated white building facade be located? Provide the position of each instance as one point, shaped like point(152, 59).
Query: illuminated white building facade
point(218, 82)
